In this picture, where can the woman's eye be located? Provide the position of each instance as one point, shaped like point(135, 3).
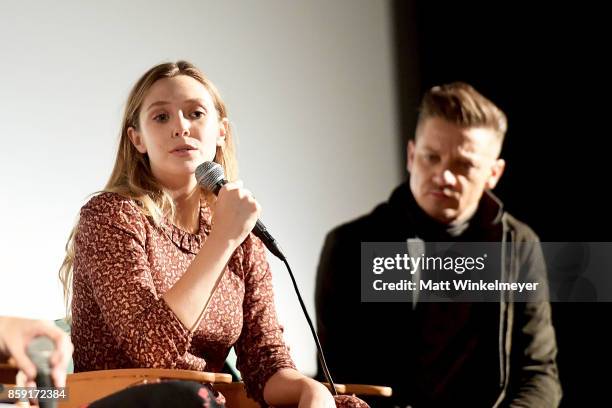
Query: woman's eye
point(198, 114)
point(162, 117)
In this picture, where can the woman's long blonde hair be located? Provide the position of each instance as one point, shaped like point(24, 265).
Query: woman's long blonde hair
point(132, 176)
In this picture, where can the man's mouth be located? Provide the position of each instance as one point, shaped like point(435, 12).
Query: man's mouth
point(444, 193)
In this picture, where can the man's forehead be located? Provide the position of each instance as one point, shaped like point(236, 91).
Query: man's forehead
point(467, 142)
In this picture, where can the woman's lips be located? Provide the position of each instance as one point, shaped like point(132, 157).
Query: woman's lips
point(184, 152)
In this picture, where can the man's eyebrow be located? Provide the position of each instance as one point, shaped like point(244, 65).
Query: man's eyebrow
point(430, 149)
point(468, 155)
point(468, 160)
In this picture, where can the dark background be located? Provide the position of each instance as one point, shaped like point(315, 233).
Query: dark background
point(543, 65)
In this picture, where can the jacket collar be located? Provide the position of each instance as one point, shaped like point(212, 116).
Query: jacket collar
point(481, 225)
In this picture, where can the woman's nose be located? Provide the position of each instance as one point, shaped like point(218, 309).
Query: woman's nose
point(181, 127)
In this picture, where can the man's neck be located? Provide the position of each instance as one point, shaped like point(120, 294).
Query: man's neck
point(460, 224)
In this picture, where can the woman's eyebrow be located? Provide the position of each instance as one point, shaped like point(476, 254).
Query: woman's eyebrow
point(192, 100)
point(158, 103)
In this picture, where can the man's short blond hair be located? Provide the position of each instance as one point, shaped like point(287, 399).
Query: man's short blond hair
point(460, 104)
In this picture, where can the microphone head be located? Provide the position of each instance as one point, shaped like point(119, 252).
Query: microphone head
point(209, 175)
point(39, 350)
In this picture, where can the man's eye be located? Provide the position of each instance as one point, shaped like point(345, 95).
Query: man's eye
point(431, 158)
point(198, 114)
point(162, 117)
point(465, 167)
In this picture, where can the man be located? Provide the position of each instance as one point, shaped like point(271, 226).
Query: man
point(441, 354)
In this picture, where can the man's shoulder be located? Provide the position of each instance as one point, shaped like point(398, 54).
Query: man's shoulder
point(363, 227)
point(522, 231)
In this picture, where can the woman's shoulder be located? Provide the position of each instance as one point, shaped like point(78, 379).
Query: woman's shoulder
point(112, 210)
point(111, 205)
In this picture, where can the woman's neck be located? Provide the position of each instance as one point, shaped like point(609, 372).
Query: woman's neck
point(187, 205)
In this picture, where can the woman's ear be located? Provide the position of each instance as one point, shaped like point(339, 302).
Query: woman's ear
point(137, 140)
point(223, 131)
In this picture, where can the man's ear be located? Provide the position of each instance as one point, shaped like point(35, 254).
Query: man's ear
point(410, 155)
point(497, 169)
point(137, 140)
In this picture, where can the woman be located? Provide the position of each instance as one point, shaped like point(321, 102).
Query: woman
point(164, 275)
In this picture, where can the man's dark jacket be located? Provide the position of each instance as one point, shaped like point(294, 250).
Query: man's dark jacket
point(438, 354)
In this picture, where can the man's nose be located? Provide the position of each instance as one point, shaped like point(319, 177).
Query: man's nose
point(445, 177)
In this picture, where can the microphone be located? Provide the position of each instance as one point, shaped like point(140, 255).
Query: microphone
point(39, 350)
point(211, 177)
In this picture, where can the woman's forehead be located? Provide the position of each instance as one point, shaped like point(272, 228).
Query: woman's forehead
point(177, 90)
